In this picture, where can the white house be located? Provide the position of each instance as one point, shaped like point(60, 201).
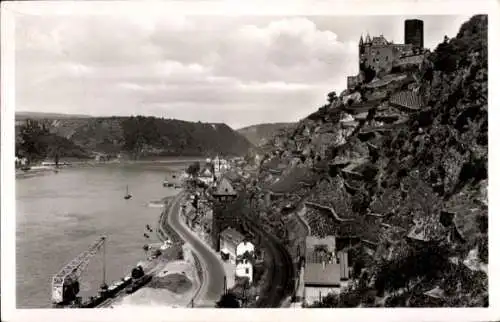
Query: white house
point(206, 177)
point(21, 161)
point(244, 269)
point(244, 247)
point(220, 166)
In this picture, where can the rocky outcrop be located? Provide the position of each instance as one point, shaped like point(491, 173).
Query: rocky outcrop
point(408, 168)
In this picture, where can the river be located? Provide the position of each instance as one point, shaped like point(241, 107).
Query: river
point(59, 215)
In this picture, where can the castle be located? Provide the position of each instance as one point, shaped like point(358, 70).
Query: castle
point(382, 56)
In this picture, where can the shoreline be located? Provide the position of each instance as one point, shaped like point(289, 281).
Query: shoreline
point(165, 232)
point(39, 169)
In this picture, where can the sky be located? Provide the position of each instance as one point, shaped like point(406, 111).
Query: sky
point(238, 70)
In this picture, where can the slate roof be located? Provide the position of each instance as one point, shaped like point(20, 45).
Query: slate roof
point(232, 235)
point(206, 173)
point(407, 99)
point(224, 188)
point(329, 241)
point(317, 274)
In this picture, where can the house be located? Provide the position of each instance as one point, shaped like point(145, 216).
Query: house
point(320, 279)
point(245, 254)
point(244, 247)
point(220, 166)
point(325, 277)
point(318, 248)
point(206, 176)
point(229, 241)
point(326, 268)
point(21, 161)
point(224, 190)
point(244, 269)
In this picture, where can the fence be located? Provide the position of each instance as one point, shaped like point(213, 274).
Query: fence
point(199, 271)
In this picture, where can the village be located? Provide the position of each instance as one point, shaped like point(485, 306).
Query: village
point(323, 268)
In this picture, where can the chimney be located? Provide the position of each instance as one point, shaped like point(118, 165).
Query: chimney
point(344, 270)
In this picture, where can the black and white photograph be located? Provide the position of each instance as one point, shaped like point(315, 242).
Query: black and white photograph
point(190, 160)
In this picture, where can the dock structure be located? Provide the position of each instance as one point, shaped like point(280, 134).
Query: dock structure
point(65, 285)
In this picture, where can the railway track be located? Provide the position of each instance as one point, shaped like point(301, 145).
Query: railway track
point(281, 274)
point(280, 278)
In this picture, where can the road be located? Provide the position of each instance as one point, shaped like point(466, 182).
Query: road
point(213, 284)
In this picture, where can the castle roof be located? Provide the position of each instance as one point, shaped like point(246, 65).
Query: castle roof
point(379, 40)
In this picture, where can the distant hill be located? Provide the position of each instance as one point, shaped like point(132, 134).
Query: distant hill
point(260, 133)
point(145, 136)
point(21, 116)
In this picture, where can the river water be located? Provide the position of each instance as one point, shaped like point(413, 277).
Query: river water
point(59, 215)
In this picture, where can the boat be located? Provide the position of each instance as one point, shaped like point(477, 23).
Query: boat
point(127, 195)
point(167, 183)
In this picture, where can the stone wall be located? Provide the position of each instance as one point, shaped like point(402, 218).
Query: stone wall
point(380, 58)
point(409, 60)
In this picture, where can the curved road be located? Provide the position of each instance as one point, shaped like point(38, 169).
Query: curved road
point(213, 283)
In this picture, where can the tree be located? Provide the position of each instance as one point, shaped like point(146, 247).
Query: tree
point(228, 300)
point(332, 97)
point(194, 168)
point(33, 140)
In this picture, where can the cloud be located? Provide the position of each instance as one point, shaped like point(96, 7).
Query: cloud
point(216, 69)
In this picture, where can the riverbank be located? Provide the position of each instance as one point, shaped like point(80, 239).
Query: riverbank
point(175, 283)
point(177, 280)
point(67, 211)
point(169, 165)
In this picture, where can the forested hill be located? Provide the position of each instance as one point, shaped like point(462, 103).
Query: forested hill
point(259, 134)
point(21, 116)
point(140, 136)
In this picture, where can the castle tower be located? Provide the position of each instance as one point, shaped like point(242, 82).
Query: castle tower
point(414, 33)
point(361, 47)
point(368, 39)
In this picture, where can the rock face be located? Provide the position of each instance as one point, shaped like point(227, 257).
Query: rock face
point(410, 175)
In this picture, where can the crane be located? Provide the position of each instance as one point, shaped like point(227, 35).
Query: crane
point(65, 285)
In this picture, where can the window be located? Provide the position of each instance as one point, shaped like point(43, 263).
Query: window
point(247, 271)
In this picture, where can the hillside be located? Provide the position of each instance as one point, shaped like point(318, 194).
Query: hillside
point(21, 116)
point(147, 136)
point(398, 167)
point(259, 134)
